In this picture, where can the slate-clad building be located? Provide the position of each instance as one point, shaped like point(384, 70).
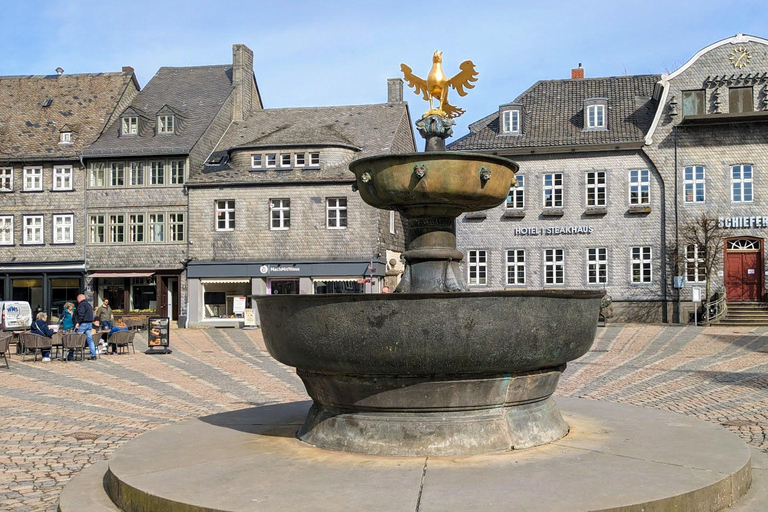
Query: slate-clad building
point(273, 212)
point(45, 124)
point(613, 169)
point(136, 206)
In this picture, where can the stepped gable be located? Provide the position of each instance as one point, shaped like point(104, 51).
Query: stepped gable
point(553, 115)
point(194, 94)
point(35, 109)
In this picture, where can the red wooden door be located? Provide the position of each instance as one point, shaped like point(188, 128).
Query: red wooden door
point(743, 276)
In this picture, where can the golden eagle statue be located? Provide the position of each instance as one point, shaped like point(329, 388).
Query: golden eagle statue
point(437, 84)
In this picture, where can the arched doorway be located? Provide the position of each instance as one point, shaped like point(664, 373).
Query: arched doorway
point(744, 269)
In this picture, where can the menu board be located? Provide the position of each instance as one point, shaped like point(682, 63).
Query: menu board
point(158, 332)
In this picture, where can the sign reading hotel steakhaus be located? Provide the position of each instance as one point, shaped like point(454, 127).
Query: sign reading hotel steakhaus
point(555, 230)
point(742, 222)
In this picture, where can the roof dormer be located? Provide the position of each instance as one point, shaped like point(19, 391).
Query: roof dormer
point(596, 114)
point(511, 119)
point(169, 121)
point(133, 122)
point(66, 133)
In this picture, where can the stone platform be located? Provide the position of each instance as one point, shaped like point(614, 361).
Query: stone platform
point(615, 458)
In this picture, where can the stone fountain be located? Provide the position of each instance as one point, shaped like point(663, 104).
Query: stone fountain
point(431, 398)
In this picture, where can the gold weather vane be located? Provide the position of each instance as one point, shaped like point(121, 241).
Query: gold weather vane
point(437, 84)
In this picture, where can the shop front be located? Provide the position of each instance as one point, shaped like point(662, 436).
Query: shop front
point(218, 291)
point(137, 293)
point(46, 287)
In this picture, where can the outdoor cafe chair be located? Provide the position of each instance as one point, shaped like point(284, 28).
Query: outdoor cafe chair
point(120, 341)
point(5, 346)
point(75, 342)
point(34, 342)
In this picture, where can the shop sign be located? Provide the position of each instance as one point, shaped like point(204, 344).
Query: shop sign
point(158, 335)
point(555, 230)
point(250, 318)
point(269, 269)
point(238, 305)
point(742, 222)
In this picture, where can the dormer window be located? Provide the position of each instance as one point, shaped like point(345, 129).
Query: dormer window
point(65, 138)
point(130, 126)
point(511, 119)
point(165, 124)
point(595, 114)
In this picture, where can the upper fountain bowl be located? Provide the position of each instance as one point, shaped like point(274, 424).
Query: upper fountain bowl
point(436, 184)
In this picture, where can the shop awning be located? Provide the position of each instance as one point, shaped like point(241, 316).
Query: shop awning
point(334, 279)
point(121, 274)
point(225, 281)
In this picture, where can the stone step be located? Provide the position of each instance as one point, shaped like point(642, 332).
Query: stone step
point(85, 492)
point(756, 500)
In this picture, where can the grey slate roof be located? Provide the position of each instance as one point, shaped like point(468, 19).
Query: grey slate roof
point(82, 102)
point(194, 94)
point(553, 113)
point(366, 129)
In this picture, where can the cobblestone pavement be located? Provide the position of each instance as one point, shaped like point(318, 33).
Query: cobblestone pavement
point(57, 418)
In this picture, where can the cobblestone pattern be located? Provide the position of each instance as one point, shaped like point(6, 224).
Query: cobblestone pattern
point(57, 418)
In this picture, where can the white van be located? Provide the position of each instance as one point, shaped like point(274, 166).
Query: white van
point(15, 315)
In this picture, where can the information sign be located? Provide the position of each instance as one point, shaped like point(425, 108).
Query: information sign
point(238, 305)
point(158, 335)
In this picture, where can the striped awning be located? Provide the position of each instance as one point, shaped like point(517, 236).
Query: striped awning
point(225, 281)
point(121, 274)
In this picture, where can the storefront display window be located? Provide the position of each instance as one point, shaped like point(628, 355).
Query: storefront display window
point(63, 291)
point(30, 290)
point(338, 286)
point(283, 286)
point(219, 297)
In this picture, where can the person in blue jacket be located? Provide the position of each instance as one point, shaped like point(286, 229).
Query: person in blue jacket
point(67, 320)
point(40, 327)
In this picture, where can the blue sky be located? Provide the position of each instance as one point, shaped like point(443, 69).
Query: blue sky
point(341, 52)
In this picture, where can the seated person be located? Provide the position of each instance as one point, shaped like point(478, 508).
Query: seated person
point(40, 327)
point(119, 326)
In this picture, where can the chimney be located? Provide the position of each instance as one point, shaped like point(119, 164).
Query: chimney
point(394, 90)
point(577, 73)
point(128, 69)
point(242, 79)
point(59, 71)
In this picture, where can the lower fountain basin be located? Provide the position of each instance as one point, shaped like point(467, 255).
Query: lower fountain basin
point(415, 374)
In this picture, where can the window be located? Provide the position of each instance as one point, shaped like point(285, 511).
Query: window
point(516, 197)
point(693, 103)
point(285, 160)
point(595, 116)
point(391, 222)
point(33, 229)
point(130, 126)
point(165, 124)
point(225, 215)
point(117, 229)
point(596, 188)
point(554, 268)
point(478, 268)
point(6, 179)
point(256, 161)
point(157, 173)
point(553, 190)
point(137, 173)
point(136, 227)
point(740, 99)
point(177, 226)
point(117, 174)
point(6, 229)
point(516, 267)
point(641, 264)
point(336, 213)
point(65, 138)
point(177, 172)
point(741, 184)
point(695, 271)
point(33, 178)
point(299, 160)
point(693, 184)
point(96, 229)
point(511, 122)
point(639, 188)
point(97, 175)
point(62, 178)
point(597, 265)
point(62, 229)
point(279, 214)
point(271, 160)
point(314, 159)
point(157, 227)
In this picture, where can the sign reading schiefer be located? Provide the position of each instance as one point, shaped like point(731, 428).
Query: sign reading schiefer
point(742, 222)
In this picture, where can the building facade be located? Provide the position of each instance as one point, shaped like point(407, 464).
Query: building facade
point(45, 124)
point(136, 204)
point(273, 210)
point(615, 174)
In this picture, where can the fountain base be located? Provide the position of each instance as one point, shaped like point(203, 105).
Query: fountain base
point(432, 415)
